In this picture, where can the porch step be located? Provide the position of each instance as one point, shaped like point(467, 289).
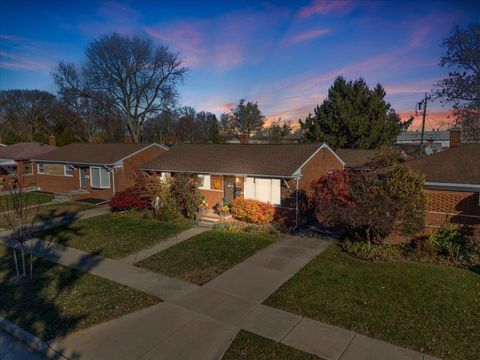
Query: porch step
point(68, 195)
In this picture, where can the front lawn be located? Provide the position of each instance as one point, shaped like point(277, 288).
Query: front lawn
point(250, 346)
point(34, 198)
point(59, 300)
point(62, 209)
point(114, 235)
point(429, 308)
point(206, 255)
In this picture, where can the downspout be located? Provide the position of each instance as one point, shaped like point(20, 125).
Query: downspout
point(296, 204)
point(112, 170)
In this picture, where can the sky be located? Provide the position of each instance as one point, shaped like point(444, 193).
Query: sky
point(283, 55)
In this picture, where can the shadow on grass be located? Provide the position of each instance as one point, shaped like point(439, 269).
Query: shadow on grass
point(47, 305)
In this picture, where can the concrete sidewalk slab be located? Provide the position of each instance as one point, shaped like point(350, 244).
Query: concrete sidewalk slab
point(365, 348)
point(307, 242)
point(327, 341)
point(218, 305)
point(165, 244)
point(249, 282)
point(163, 331)
point(200, 339)
point(269, 322)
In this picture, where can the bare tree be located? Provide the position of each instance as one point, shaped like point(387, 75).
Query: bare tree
point(127, 76)
point(19, 214)
point(27, 111)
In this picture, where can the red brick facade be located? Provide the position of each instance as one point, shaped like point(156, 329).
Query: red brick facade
point(120, 177)
point(456, 206)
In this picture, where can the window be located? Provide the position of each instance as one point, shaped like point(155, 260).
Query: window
point(266, 190)
point(27, 168)
point(99, 177)
point(40, 168)
point(165, 175)
point(204, 182)
point(68, 170)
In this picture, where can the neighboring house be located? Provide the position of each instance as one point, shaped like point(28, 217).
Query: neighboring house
point(93, 170)
point(356, 158)
point(16, 160)
point(276, 174)
point(437, 138)
point(452, 184)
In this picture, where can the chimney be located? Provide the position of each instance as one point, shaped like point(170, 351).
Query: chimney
point(52, 141)
point(244, 139)
point(128, 139)
point(455, 136)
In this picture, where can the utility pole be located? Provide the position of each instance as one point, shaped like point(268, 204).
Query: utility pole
point(423, 104)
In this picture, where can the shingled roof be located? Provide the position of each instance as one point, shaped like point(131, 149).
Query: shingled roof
point(356, 157)
point(458, 165)
point(24, 151)
point(248, 159)
point(95, 154)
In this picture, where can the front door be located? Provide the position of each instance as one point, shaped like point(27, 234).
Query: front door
point(228, 188)
point(83, 178)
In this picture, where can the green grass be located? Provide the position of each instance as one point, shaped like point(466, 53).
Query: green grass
point(114, 235)
point(206, 255)
point(59, 300)
point(62, 209)
point(34, 198)
point(250, 346)
point(429, 308)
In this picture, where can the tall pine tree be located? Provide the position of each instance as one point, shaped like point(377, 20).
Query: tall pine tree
point(354, 116)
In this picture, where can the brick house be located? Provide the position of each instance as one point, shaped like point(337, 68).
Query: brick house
point(16, 162)
point(277, 174)
point(452, 184)
point(92, 170)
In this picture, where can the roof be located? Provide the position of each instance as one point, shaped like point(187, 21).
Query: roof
point(415, 136)
point(98, 154)
point(458, 165)
point(24, 151)
point(281, 160)
point(356, 157)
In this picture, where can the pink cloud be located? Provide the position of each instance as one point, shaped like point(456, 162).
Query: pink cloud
point(322, 7)
point(308, 35)
point(16, 62)
point(186, 39)
point(434, 120)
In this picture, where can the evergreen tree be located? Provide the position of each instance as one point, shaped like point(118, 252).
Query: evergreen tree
point(354, 116)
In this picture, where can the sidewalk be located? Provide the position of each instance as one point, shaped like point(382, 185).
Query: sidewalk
point(200, 322)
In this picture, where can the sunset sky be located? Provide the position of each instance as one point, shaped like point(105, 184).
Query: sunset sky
point(285, 55)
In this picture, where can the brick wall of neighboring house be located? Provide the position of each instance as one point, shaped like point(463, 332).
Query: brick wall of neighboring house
point(457, 206)
point(125, 177)
point(28, 180)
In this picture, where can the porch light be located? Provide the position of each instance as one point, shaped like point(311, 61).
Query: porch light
point(237, 179)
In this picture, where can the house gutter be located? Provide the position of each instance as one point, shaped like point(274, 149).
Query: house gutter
point(452, 186)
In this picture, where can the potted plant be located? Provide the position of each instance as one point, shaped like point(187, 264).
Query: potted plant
point(203, 208)
point(224, 210)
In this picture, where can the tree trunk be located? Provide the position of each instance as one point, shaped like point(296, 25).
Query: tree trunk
point(16, 262)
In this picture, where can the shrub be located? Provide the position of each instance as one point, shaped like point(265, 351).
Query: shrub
point(374, 252)
point(269, 231)
point(185, 192)
point(252, 211)
point(126, 200)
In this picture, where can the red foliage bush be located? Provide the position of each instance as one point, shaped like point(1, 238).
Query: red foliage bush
point(126, 200)
point(252, 211)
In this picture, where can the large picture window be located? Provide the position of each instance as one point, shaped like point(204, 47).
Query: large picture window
point(262, 189)
point(99, 177)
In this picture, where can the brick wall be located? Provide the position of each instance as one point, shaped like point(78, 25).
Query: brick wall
point(457, 206)
point(212, 197)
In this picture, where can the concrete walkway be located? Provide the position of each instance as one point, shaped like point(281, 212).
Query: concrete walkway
point(165, 244)
point(200, 322)
point(12, 349)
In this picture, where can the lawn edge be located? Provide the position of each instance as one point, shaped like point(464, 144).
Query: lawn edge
point(32, 341)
